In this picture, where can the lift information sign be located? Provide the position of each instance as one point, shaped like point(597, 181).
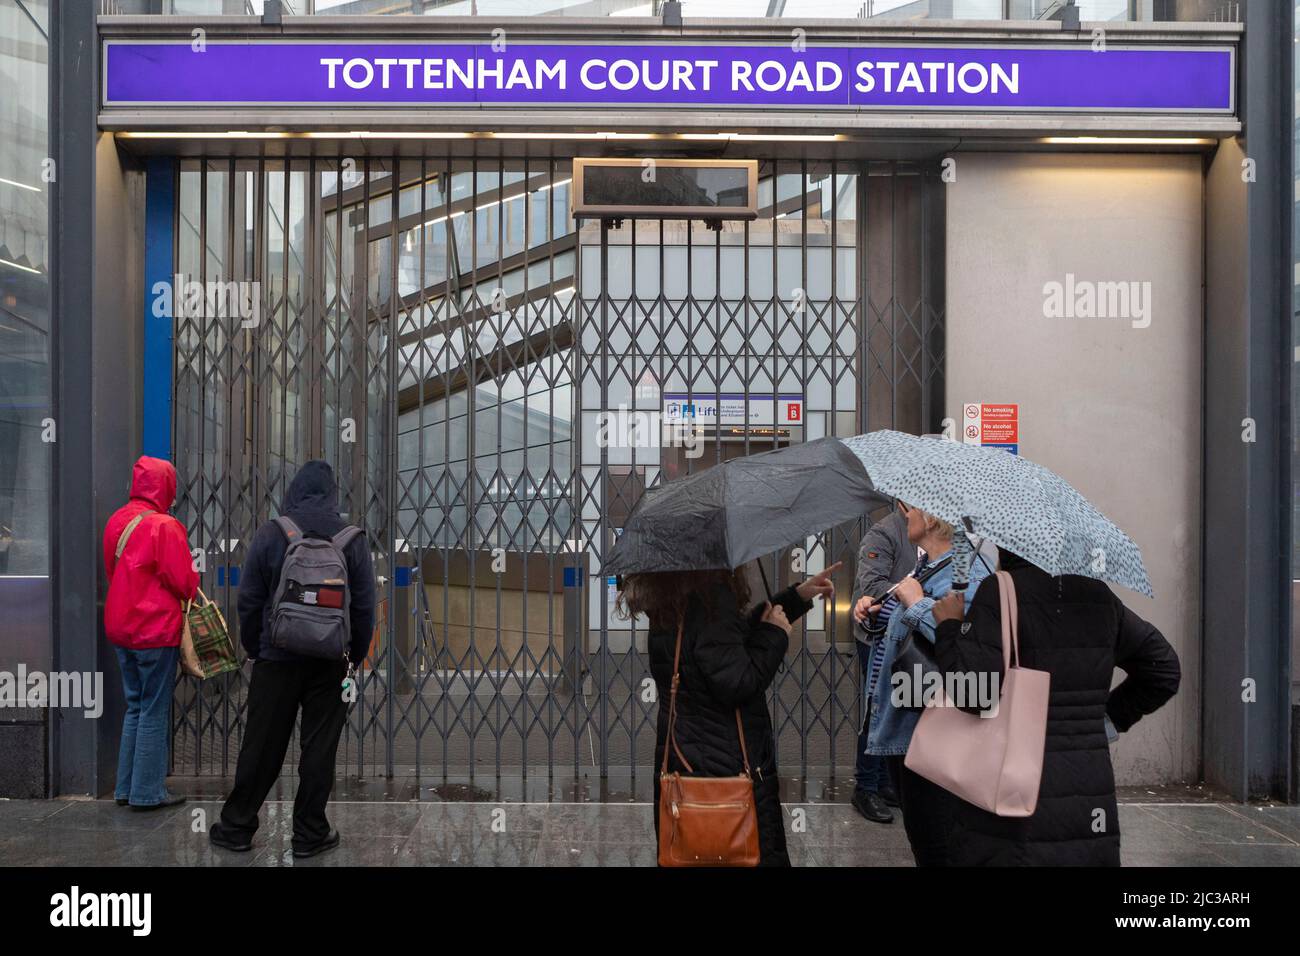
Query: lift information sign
point(911, 77)
point(730, 409)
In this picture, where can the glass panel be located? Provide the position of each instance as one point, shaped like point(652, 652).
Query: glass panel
point(25, 407)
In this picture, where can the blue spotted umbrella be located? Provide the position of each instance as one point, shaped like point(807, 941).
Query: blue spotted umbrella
point(1006, 499)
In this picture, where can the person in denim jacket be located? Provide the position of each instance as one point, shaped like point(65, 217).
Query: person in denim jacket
point(926, 807)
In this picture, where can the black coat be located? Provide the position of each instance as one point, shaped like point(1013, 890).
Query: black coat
point(1077, 630)
point(727, 663)
point(312, 501)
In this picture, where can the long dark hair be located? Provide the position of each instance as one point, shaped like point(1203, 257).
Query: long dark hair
point(662, 596)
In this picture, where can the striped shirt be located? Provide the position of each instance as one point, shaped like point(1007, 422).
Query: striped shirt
point(882, 620)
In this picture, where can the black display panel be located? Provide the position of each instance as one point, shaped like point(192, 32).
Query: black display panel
point(665, 188)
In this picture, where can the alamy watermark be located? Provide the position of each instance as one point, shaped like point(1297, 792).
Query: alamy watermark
point(1086, 299)
point(188, 298)
point(75, 690)
point(626, 427)
point(969, 690)
point(75, 908)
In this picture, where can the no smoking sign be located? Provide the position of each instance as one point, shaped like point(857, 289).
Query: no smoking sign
point(992, 425)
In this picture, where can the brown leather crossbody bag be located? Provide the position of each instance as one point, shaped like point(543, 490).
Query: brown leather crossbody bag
point(704, 821)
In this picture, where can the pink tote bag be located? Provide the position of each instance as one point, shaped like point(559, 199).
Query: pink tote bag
point(996, 762)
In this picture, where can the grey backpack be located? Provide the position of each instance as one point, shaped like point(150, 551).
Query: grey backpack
point(309, 615)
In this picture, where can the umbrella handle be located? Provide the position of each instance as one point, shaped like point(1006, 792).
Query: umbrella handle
point(962, 555)
point(763, 571)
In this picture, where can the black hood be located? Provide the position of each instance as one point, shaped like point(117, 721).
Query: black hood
point(312, 489)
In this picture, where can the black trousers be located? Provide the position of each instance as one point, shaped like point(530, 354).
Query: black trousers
point(276, 692)
point(927, 814)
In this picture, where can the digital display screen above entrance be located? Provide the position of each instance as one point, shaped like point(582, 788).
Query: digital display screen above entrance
point(930, 76)
point(665, 188)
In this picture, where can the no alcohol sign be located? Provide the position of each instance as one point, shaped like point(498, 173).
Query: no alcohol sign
point(993, 425)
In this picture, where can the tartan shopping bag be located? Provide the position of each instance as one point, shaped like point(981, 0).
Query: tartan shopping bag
point(206, 647)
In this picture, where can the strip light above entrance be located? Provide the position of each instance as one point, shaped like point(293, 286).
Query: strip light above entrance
point(189, 134)
point(531, 135)
point(1128, 141)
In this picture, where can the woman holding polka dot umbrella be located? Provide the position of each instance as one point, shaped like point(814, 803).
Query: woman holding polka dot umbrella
point(1005, 499)
point(1058, 549)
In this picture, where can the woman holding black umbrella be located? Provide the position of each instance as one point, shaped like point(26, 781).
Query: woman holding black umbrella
point(727, 662)
point(717, 767)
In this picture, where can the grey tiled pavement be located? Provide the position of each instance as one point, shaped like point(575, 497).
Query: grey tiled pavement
point(423, 833)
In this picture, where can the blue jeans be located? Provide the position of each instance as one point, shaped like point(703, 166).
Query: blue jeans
point(148, 677)
point(871, 772)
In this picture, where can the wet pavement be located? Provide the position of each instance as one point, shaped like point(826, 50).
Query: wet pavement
point(1157, 828)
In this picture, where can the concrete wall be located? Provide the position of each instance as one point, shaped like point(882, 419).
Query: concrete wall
point(1113, 408)
point(1227, 620)
point(118, 343)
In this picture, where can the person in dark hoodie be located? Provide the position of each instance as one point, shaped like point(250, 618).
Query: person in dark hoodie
point(284, 683)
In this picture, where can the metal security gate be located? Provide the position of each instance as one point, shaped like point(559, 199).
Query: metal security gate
point(491, 382)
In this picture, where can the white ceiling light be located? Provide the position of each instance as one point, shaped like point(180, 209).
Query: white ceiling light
point(16, 185)
point(1127, 140)
point(14, 265)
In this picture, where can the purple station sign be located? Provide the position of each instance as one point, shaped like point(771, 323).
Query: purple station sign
point(910, 77)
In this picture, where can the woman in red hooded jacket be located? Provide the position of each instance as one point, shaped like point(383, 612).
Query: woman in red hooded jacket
point(150, 577)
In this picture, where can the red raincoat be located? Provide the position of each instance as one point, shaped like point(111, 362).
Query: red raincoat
point(155, 576)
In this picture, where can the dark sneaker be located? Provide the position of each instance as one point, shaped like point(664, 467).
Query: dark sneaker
point(120, 801)
point(329, 843)
point(870, 805)
point(890, 796)
point(219, 836)
point(170, 800)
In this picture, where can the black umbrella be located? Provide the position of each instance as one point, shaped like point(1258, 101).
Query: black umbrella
point(742, 509)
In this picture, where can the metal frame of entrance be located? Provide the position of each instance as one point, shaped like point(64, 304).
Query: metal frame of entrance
point(443, 333)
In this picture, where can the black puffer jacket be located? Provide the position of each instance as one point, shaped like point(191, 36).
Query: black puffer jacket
point(727, 663)
point(1076, 629)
